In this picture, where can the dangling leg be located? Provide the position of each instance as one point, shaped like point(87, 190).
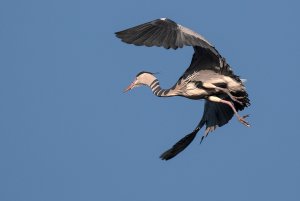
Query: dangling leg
point(234, 98)
point(212, 86)
point(219, 100)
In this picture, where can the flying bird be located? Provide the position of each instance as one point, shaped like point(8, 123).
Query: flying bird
point(208, 77)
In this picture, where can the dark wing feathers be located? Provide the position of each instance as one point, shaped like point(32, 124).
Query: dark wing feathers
point(214, 115)
point(164, 33)
point(179, 146)
point(168, 34)
point(204, 60)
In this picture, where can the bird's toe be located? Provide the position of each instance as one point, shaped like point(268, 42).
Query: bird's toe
point(243, 121)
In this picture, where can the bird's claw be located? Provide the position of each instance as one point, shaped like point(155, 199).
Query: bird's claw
point(243, 121)
point(245, 116)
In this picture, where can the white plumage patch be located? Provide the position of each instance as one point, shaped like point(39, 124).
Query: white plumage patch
point(193, 90)
point(232, 84)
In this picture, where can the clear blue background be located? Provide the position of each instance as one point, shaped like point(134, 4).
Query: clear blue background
point(68, 132)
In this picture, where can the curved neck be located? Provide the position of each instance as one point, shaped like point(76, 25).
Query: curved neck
point(153, 83)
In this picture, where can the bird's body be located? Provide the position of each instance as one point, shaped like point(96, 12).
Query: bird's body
point(208, 77)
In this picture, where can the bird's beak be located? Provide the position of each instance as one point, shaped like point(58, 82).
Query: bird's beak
point(131, 86)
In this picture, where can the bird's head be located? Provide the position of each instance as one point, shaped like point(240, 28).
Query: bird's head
point(142, 78)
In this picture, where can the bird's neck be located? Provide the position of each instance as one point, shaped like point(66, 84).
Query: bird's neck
point(153, 83)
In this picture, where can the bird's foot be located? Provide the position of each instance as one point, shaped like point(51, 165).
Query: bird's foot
point(243, 121)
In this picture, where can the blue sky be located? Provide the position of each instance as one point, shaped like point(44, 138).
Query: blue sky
point(68, 132)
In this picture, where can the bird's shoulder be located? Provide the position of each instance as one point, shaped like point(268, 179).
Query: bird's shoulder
point(205, 71)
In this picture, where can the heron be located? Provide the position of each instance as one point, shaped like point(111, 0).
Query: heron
point(208, 77)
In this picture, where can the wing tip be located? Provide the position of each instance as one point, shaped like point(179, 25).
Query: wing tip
point(167, 155)
point(179, 146)
point(143, 31)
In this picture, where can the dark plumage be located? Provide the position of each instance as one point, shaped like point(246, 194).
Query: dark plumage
point(208, 77)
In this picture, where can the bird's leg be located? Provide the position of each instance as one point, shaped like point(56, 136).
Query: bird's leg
point(212, 86)
point(234, 98)
point(219, 100)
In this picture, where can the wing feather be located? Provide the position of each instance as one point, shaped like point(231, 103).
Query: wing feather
point(214, 115)
point(167, 34)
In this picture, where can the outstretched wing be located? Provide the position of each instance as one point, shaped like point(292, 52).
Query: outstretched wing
point(166, 33)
